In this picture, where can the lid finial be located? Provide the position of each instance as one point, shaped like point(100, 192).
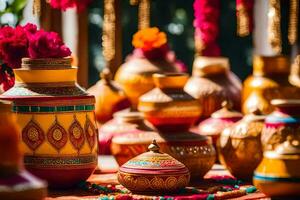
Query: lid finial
point(153, 147)
point(227, 104)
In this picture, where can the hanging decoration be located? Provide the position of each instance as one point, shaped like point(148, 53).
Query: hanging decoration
point(293, 21)
point(36, 7)
point(206, 23)
point(274, 31)
point(109, 28)
point(144, 12)
point(244, 13)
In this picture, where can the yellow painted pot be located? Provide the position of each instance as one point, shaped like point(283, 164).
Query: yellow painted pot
point(57, 121)
point(135, 76)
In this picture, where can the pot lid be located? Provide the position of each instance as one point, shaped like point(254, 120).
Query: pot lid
point(227, 111)
point(255, 115)
point(153, 162)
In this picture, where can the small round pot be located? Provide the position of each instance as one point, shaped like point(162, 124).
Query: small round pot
point(167, 106)
point(57, 121)
point(124, 122)
point(240, 149)
point(135, 76)
point(219, 120)
point(110, 98)
point(153, 172)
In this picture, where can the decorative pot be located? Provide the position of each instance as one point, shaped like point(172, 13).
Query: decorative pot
point(278, 174)
point(57, 121)
point(153, 172)
point(167, 106)
point(212, 83)
point(219, 120)
point(240, 148)
point(110, 98)
point(135, 76)
point(270, 80)
point(196, 152)
point(15, 182)
point(123, 123)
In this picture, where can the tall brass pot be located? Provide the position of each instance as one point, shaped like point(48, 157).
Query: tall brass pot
point(270, 80)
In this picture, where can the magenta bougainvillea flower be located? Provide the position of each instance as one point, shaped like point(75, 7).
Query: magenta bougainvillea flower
point(26, 41)
point(80, 5)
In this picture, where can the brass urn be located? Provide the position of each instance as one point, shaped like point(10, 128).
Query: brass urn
point(240, 148)
point(212, 83)
point(135, 75)
point(109, 96)
point(270, 80)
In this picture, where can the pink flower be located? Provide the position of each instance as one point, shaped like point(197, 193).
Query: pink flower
point(80, 5)
point(44, 44)
point(13, 45)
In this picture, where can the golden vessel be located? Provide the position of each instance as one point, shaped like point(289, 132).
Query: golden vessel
point(110, 98)
point(15, 182)
point(135, 76)
point(270, 80)
point(212, 83)
point(167, 106)
point(57, 121)
point(240, 148)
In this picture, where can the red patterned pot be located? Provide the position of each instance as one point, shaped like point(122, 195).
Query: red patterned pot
point(167, 106)
point(123, 123)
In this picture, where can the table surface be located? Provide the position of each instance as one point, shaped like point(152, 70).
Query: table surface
point(105, 174)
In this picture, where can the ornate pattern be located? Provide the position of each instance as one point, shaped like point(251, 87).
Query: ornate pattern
point(90, 132)
point(76, 134)
point(33, 135)
point(57, 135)
point(47, 109)
point(153, 183)
point(62, 161)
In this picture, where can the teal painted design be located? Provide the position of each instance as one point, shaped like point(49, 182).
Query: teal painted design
point(51, 109)
point(286, 120)
point(276, 179)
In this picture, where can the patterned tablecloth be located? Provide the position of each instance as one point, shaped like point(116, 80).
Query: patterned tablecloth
point(106, 175)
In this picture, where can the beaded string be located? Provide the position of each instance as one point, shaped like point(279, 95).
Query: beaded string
point(109, 28)
point(144, 12)
point(243, 22)
point(274, 32)
point(293, 21)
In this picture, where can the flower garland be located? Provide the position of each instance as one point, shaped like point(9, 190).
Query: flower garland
point(152, 44)
point(80, 5)
point(206, 23)
point(26, 41)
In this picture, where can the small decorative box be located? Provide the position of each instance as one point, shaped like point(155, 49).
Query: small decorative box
point(153, 172)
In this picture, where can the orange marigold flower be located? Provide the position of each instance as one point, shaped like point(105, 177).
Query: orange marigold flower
point(149, 38)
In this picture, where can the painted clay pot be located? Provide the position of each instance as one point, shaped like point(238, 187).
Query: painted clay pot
point(110, 98)
point(278, 174)
point(167, 106)
point(219, 120)
point(57, 121)
point(15, 182)
point(153, 172)
point(196, 152)
point(240, 149)
point(123, 123)
point(135, 76)
point(212, 83)
point(270, 80)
